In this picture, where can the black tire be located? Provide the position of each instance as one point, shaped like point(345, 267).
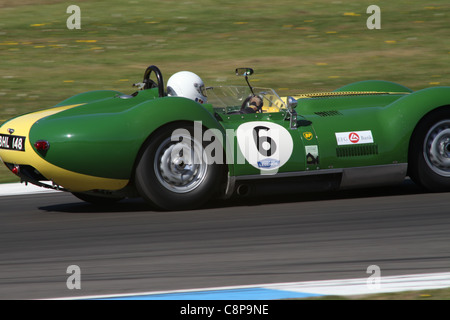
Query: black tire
point(429, 161)
point(96, 200)
point(158, 176)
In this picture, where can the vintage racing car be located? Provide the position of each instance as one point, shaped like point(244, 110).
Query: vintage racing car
point(178, 153)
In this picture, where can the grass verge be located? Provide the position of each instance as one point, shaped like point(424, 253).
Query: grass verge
point(436, 294)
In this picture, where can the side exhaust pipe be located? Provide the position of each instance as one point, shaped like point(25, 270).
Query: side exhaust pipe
point(290, 185)
point(243, 190)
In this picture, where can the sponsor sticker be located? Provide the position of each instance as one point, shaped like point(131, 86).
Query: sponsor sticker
point(269, 163)
point(308, 135)
point(312, 154)
point(354, 137)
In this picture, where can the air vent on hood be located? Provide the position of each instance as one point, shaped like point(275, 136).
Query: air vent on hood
point(330, 113)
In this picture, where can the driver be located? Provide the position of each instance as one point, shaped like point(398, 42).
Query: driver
point(255, 104)
point(187, 84)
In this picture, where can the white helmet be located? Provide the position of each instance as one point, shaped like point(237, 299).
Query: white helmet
point(187, 84)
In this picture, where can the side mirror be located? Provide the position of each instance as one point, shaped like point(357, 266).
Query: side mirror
point(292, 114)
point(291, 103)
point(244, 72)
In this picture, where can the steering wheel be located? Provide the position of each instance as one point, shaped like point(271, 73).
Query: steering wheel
point(149, 83)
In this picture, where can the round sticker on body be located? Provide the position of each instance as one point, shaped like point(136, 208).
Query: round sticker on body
point(266, 146)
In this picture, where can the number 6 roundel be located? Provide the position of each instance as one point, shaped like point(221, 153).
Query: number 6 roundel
point(265, 145)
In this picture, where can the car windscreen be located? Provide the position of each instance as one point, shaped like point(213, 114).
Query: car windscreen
point(226, 99)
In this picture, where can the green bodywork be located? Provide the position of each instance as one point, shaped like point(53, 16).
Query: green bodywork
point(103, 136)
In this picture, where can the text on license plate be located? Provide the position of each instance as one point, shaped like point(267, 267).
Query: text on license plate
point(12, 142)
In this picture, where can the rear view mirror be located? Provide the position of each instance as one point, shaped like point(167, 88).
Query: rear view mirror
point(244, 72)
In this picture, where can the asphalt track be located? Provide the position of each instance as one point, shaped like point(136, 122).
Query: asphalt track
point(130, 248)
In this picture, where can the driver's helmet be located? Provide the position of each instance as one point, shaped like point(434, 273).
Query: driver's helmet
point(187, 84)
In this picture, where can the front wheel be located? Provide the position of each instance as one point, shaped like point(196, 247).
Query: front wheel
point(174, 171)
point(430, 152)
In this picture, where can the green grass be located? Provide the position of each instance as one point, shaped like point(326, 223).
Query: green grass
point(437, 294)
point(6, 176)
point(293, 46)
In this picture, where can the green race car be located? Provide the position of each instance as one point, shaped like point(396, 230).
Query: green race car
point(178, 152)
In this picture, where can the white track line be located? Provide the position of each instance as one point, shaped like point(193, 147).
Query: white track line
point(361, 286)
point(345, 287)
point(16, 189)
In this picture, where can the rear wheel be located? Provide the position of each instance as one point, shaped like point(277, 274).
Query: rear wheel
point(174, 171)
point(430, 152)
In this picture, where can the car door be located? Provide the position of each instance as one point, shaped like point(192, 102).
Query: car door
point(266, 144)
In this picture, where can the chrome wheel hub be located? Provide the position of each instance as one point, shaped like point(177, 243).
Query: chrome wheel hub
point(179, 165)
point(437, 148)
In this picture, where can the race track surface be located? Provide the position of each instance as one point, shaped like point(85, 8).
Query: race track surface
point(130, 248)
